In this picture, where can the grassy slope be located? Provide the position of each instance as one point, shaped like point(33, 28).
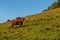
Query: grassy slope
point(42, 26)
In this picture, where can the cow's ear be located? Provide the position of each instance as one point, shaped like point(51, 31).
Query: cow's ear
point(18, 17)
point(8, 20)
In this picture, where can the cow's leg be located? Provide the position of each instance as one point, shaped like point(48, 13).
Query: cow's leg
point(21, 24)
point(11, 26)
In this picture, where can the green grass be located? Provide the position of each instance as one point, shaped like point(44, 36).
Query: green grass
point(42, 26)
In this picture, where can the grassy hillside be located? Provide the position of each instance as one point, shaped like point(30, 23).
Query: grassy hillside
point(41, 26)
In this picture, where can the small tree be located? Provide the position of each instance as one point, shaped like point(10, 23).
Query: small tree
point(55, 5)
point(58, 1)
point(50, 7)
point(45, 10)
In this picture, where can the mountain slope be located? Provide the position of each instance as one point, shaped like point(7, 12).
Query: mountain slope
point(41, 26)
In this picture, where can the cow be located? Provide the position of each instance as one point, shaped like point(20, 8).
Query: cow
point(18, 21)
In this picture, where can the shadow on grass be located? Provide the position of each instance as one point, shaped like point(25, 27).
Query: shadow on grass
point(30, 24)
point(34, 24)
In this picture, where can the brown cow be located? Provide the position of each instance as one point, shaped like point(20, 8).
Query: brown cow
point(18, 21)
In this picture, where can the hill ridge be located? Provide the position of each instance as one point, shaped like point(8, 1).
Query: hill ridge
point(46, 13)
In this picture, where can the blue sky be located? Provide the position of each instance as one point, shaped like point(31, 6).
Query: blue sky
point(9, 9)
